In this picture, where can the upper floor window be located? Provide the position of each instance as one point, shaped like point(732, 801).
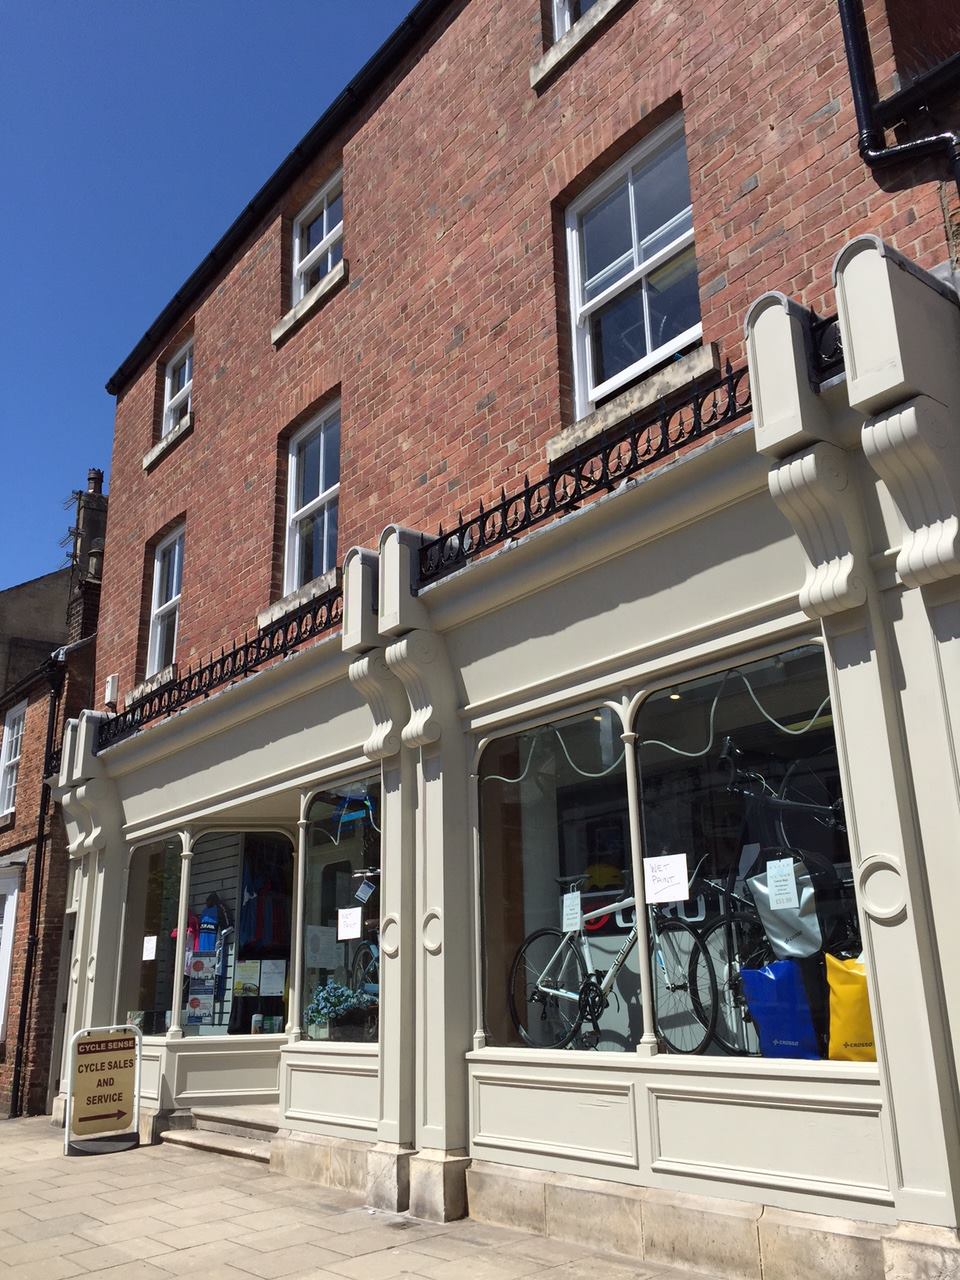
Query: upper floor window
point(566, 13)
point(318, 237)
point(313, 487)
point(10, 756)
point(177, 388)
point(633, 270)
point(165, 602)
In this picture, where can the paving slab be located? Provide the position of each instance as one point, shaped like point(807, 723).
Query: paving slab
point(161, 1213)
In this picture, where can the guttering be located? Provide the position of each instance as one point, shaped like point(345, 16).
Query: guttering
point(343, 107)
point(871, 139)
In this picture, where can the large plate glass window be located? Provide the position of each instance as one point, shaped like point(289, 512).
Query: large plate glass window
point(633, 269)
point(318, 237)
point(313, 488)
point(10, 756)
point(341, 914)
point(9, 889)
point(177, 389)
point(165, 602)
point(744, 828)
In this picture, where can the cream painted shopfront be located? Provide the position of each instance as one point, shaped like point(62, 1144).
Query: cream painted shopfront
point(737, 673)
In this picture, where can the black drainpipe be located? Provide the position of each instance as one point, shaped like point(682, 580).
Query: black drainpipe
point(54, 673)
point(871, 136)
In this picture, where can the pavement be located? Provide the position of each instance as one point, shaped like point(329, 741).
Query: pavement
point(160, 1212)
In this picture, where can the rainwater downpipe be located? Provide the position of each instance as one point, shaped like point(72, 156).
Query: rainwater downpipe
point(871, 140)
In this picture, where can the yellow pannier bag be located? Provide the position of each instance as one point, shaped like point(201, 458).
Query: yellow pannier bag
point(851, 1027)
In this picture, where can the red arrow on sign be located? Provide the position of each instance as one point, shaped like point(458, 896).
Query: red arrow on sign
point(110, 1115)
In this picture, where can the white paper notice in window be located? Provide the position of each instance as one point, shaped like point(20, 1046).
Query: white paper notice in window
point(782, 884)
point(666, 878)
point(349, 923)
point(150, 947)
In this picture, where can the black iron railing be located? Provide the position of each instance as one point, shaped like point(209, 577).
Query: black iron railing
point(596, 467)
point(826, 348)
point(274, 641)
point(51, 765)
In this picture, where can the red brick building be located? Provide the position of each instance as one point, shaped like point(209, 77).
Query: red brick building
point(507, 537)
point(33, 857)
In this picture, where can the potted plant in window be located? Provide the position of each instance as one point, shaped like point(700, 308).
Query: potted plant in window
point(337, 1013)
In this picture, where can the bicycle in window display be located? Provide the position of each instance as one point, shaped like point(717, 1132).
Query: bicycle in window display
point(554, 987)
point(805, 811)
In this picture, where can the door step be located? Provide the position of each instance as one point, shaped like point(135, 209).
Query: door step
point(223, 1144)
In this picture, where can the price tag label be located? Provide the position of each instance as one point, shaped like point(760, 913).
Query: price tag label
point(782, 884)
point(571, 911)
point(365, 890)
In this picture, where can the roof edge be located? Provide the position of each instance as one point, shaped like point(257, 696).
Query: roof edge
point(397, 45)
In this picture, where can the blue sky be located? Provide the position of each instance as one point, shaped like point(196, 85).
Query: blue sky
point(132, 132)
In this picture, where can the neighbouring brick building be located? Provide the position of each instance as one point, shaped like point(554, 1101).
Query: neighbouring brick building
point(33, 860)
point(372, 722)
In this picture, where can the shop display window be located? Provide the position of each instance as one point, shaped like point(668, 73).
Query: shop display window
point(341, 914)
point(751, 928)
point(236, 972)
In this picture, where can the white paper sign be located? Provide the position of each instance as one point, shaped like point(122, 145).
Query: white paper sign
point(571, 911)
point(666, 878)
point(782, 884)
point(349, 923)
point(322, 950)
point(150, 948)
point(273, 975)
point(365, 890)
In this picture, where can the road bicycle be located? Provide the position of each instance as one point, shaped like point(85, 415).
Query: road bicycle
point(555, 988)
point(807, 807)
point(365, 969)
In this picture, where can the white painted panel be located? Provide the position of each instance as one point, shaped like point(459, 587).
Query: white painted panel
point(827, 1144)
point(333, 1092)
point(222, 1073)
point(588, 1121)
point(150, 1070)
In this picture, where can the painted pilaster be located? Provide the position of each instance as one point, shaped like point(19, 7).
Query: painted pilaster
point(295, 1011)
point(901, 328)
point(388, 1164)
point(444, 887)
point(824, 491)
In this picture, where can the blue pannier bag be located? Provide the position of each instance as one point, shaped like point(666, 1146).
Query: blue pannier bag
point(778, 1005)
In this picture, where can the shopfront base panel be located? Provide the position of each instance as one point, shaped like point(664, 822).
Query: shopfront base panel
point(313, 1157)
point(735, 1240)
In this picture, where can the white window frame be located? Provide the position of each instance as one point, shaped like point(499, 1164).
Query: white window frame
point(10, 887)
point(302, 266)
point(587, 393)
point(173, 400)
point(563, 18)
point(324, 498)
point(14, 723)
point(159, 611)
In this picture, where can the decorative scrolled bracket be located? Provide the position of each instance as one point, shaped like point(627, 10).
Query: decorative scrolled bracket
point(384, 695)
point(914, 450)
point(815, 493)
point(419, 660)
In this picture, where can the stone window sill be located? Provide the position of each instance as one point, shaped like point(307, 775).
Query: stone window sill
point(167, 442)
point(148, 685)
point(569, 45)
point(669, 381)
point(309, 303)
point(7, 820)
point(303, 595)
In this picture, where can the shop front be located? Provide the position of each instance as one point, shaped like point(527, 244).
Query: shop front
point(601, 884)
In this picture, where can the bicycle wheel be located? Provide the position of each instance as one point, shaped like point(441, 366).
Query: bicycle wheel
point(544, 991)
point(365, 973)
point(684, 987)
point(816, 782)
point(730, 944)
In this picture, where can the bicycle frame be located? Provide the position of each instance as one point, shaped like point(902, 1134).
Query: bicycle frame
point(578, 937)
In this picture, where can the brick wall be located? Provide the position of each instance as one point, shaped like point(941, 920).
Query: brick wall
point(449, 346)
point(20, 836)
